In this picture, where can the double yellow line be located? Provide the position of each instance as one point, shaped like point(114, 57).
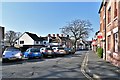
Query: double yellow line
point(83, 67)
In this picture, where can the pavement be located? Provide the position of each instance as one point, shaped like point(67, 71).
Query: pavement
point(100, 69)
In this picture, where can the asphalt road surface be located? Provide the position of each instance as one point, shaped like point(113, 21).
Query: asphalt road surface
point(67, 66)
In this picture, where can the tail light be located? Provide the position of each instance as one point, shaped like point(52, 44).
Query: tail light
point(30, 53)
point(52, 50)
point(21, 54)
point(46, 51)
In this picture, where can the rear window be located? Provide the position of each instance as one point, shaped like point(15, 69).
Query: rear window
point(12, 49)
point(35, 50)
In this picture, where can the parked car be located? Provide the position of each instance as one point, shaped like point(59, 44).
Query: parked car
point(70, 50)
point(62, 51)
point(33, 53)
point(11, 53)
point(46, 51)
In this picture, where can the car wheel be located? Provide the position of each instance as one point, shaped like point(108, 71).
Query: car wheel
point(4, 60)
point(53, 56)
point(29, 58)
point(20, 59)
point(44, 56)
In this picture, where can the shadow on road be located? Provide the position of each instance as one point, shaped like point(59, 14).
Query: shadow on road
point(14, 62)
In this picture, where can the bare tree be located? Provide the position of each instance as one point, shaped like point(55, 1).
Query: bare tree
point(77, 29)
point(11, 36)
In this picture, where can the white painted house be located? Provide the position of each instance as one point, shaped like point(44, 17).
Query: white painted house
point(28, 39)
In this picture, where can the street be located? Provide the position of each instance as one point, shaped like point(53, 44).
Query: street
point(68, 66)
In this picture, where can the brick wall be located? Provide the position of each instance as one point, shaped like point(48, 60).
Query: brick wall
point(112, 27)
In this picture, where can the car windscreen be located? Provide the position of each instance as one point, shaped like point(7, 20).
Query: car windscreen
point(35, 50)
point(12, 49)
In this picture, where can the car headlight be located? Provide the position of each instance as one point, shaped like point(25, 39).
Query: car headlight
point(3, 53)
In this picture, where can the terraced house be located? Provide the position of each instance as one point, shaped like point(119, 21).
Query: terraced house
point(110, 30)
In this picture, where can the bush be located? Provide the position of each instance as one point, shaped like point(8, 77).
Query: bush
point(100, 52)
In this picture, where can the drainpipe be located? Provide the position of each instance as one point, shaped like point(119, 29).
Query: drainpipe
point(105, 28)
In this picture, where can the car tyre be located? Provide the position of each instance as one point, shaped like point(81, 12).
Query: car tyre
point(4, 60)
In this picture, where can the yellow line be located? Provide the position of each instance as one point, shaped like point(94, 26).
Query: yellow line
point(85, 60)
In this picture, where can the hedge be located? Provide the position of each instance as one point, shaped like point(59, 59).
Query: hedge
point(100, 52)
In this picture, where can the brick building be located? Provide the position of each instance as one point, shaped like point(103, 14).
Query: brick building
point(60, 39)
point(110, 29)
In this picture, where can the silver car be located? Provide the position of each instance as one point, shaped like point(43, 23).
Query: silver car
point(46, 51)
point(11, 53)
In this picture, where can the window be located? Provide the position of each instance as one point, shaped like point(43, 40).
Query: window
point(21, 42)
point(115, 9)
point(109, 42)
point(37, 42)
point(103, 24)
point(109, 15)
point(116, 42)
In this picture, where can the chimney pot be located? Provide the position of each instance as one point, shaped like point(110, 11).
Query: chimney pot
point(61, 35)
point(53, 35)
point(57, 35)
point(49, 35)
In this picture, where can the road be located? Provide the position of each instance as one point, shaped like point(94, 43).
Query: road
point(68, 66)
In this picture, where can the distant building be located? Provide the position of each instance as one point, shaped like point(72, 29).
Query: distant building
point(96, 41)
point(110, 29)
point(28, 39)
point(83, 45)
point(1, 39)
point(57, 39)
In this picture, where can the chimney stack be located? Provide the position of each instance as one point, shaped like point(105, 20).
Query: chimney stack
point(61, 35)
point(53, 35)
point(49, 35)
point(67, 36)
point(57, 35)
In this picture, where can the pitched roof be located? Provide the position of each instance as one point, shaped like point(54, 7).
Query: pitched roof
point(34, 36)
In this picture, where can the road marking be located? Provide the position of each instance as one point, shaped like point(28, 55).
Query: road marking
point(83, 66)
